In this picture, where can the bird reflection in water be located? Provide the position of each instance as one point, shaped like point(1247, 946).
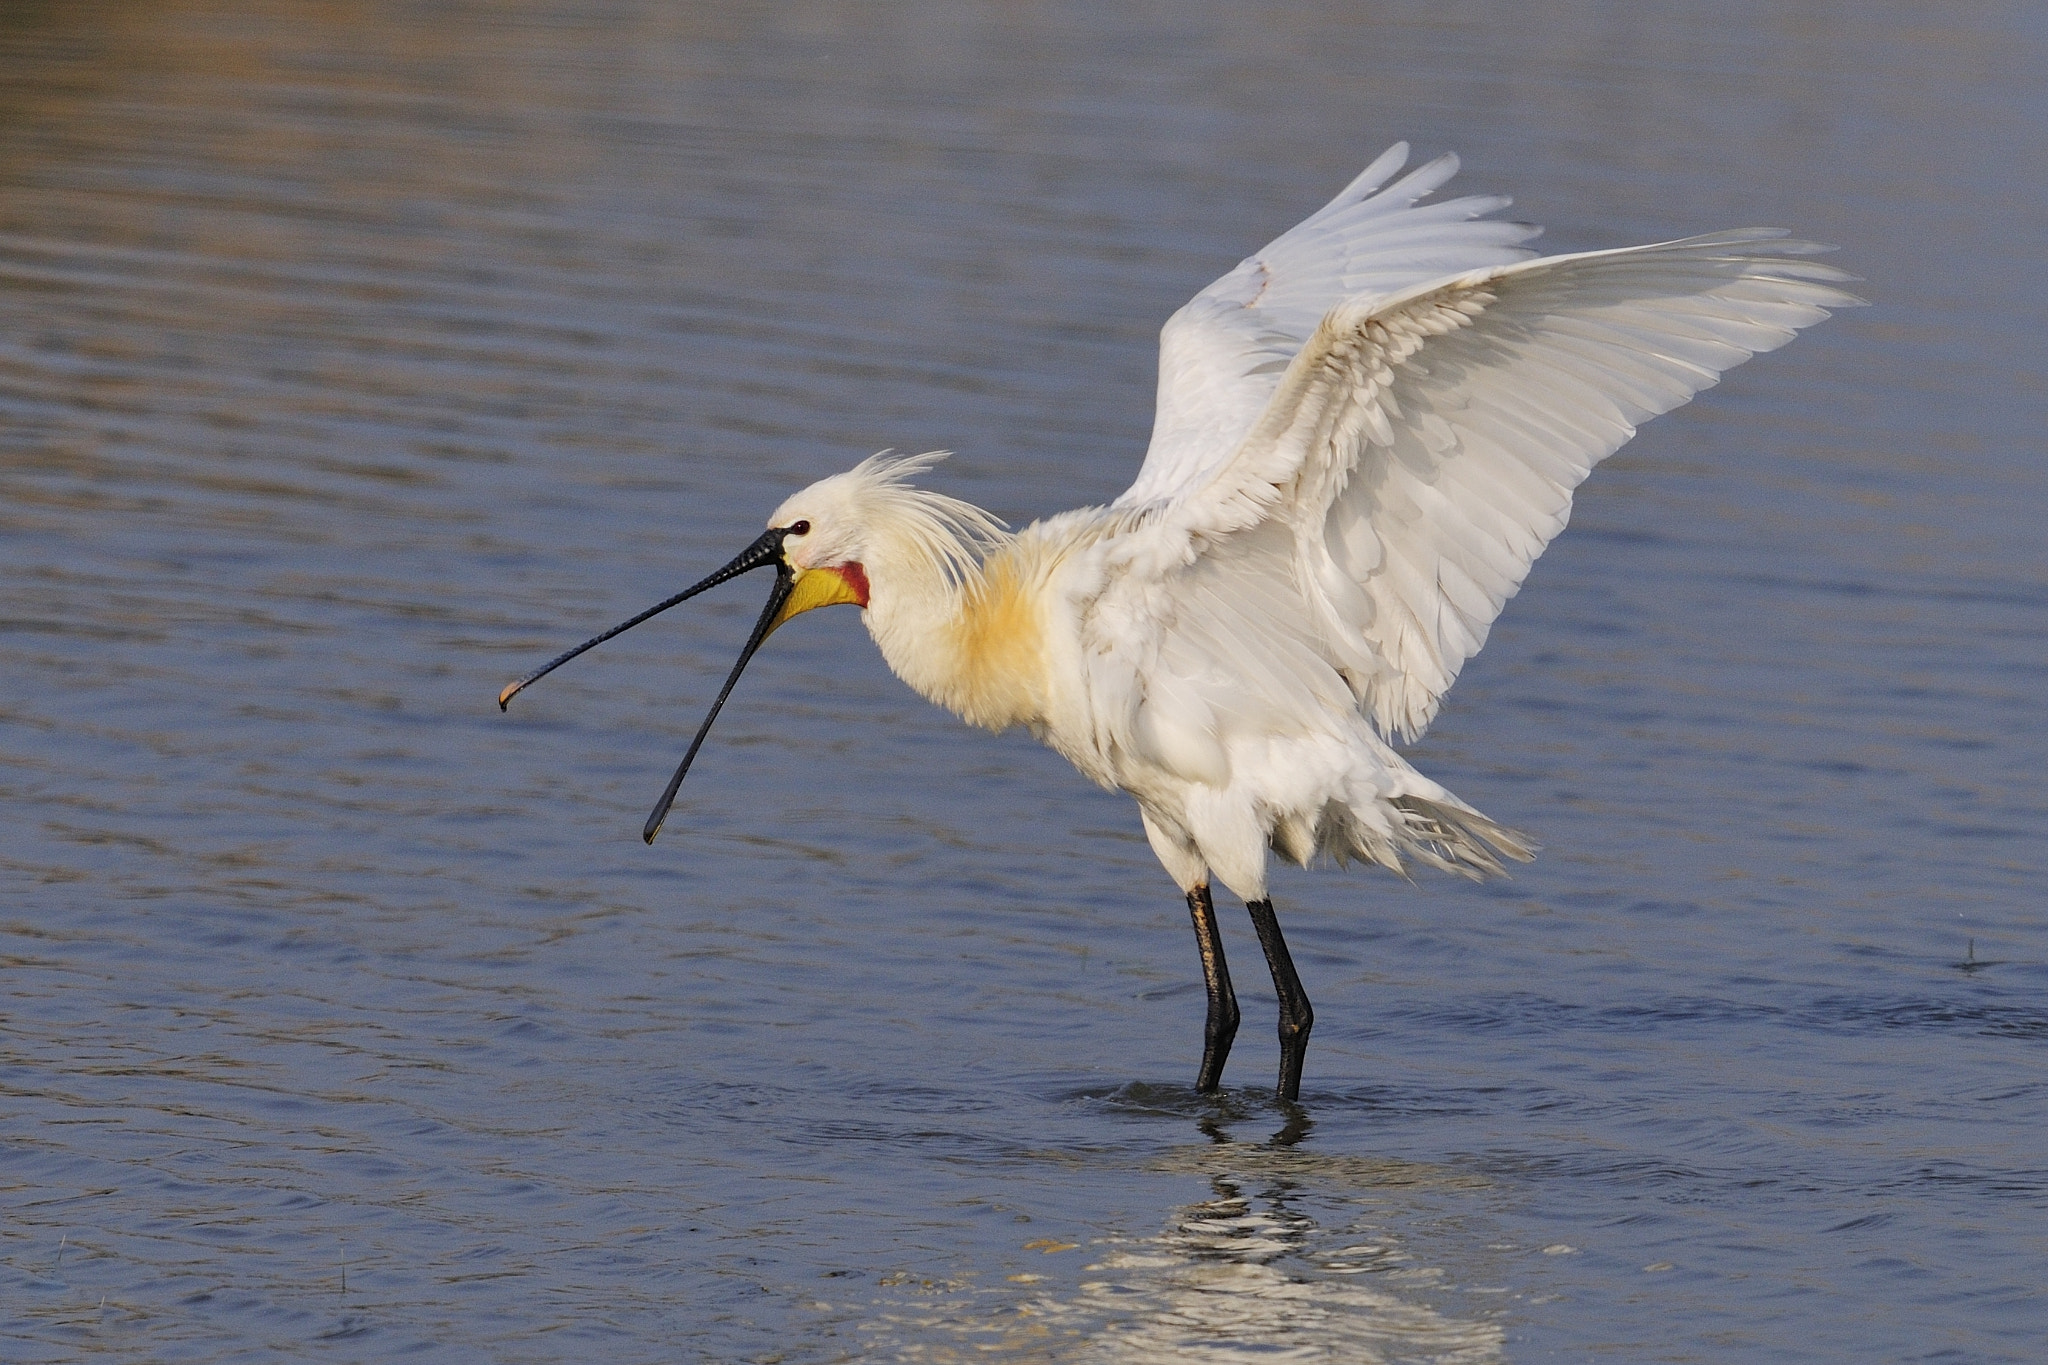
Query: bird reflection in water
point(1249, 1271)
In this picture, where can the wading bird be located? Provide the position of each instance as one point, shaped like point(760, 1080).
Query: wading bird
point(1365, 435)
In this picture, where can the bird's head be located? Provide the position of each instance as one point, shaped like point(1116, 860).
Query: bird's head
point(825, 537)
point(823, 543)
point(848, 532)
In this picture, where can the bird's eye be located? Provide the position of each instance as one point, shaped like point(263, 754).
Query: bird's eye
point(799, 528)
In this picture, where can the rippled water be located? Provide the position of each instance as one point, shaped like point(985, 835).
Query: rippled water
point(358, 356)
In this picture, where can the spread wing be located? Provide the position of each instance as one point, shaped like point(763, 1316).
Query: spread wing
point(1221, 356)
point(1420, 448)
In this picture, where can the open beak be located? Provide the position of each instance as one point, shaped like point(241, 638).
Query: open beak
point(763, 553)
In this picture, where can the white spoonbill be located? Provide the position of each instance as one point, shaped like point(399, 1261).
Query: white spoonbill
point(1365, 435)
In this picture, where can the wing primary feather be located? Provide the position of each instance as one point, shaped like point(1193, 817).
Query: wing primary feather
point(1367, 180)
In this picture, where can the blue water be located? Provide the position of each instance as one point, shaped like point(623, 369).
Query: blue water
point(357, 357)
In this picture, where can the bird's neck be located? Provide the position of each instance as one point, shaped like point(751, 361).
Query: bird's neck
point(975, 645)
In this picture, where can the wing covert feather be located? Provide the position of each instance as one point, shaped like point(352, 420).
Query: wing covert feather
point(1423, 445)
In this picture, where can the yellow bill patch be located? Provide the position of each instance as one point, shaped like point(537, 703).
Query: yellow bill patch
point(826, 587)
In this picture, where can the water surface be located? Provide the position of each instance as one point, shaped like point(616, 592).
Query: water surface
point(359, 356)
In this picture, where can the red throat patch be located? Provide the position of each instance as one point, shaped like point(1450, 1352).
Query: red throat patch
point(856, 578)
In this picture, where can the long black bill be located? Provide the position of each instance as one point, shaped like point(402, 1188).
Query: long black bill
point(785, 583)
point(762, 553)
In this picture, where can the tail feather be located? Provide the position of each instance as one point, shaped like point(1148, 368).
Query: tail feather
point(1456, 838)
point(1438, 831)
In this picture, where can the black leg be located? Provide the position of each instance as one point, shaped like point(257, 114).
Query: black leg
point(1222, 1023)
point(1296, 1017)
